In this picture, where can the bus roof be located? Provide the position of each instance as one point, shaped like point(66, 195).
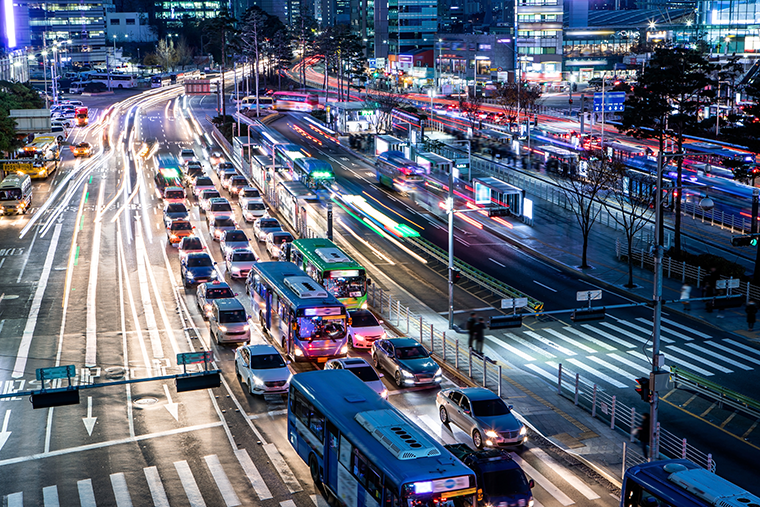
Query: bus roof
point(325, 254)
point(314, 164)
point(14, 180)
point(292, 283)
point(364, 418)
point(167, 160)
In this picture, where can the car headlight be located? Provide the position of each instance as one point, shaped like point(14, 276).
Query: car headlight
point(207, 306)
point(344, 349)
point(299, 352)
point(223, 329)
point(359, 337)
point(384, 394)
point(491, 434)
point(523, 431)
point(407, 374)
point(439, 372)
point(246, 327)
point(383, 336)
point(190, 275)
point(257, 380)
point(213, 274)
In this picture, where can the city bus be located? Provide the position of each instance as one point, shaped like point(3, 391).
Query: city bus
point(397, 172)
point(160, 80)
point(295, 101)
point(288, 154)
point(294, 201)
point(313, 172)
point(15, 194)
point(681, 483)
point(114, 80)
point(366, 452)
point(297, 313)
point(168, 173)
point(329, 266)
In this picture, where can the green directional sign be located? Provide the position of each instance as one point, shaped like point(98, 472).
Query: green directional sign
point(56, 372)
point(203, 356)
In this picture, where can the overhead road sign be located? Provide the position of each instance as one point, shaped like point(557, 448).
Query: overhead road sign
point(203, 356)
point(588, 295)
point(613, 102)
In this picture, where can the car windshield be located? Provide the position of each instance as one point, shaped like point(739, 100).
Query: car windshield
point(365, 373)
point(191, 244)
point(182, 226)
point(317, 328)
point(416, 352)
point(226, 165)
point(219, 293)
point(267, 362)
point(199, 262)
point(176, 207)
point(489, 408)
point(505, 483)
point(256, 206)
point(252, 192)
point(224, 222)
point(268, 223)
point(363, 319)
point(238, 180)
point(236, 236)
point(221, 206)
point(174, 194)
point(205, 181)
point(279, 237)
point(243, 257)
point(231, 316)
point(210, 194)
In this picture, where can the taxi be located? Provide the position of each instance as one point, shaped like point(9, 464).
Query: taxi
point(82, 150)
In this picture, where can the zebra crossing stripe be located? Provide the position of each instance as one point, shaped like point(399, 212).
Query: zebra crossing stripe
point(120, 491)
point(581, 379)
point(627, 333)
point(15, 499)
point(493, 340)
point(596, 373)
point(537, 369)
point(601, 362)
point(542, 481)
point(566, 474)
point(741, 345)
point(157, 492)
point(50, 496)
point(287, 503)
point(630, 364)
point(693, 367)
point(550, 343)
point(257, 482)
point(666, 329)
point(732, 351)
point(282, 468)
point(569, 340)
point(222, 481)
point(699, 358)
point(188, 484)
point(319, 501)
point(529, 345)
point(725, 359)
point(598, 343)
point(86, 494)
point(605, 334)
point(686, 328)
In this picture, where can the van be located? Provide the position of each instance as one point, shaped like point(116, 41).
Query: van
point(250, 102)
point(228, 322)
point(15, 194)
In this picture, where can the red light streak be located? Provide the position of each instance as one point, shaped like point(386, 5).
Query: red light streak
point(503, 222)
point(471, 221)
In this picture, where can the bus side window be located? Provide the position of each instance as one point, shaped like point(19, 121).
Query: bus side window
point(390, 496)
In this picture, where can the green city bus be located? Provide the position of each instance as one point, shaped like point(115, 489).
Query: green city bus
point(329, 266)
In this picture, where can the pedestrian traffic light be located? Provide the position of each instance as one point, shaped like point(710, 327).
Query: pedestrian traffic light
point(456, 275)
point(570, 101)
point(745, 240)
point(642, 387)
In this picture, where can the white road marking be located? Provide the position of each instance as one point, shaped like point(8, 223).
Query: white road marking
point(641, 369)
point(695, 368)
point(282, 468)
point(26, 259)
point(598, 343)
point(686, 328)
point(545, 286)
point(170, 406)
point(437, 429)
point(287, 503)
point(31, 321)
point(50, 496)
point(701, 359)
point(529, 345)
point(497, 263)
point(732, 351)
point(741, 345)
point(550, 343)
point(613, 338)
point(91, 341)
point(156, 487)
point(537, 369)
point(120, 490)
point(188, 484)
point(578, 344)
point(86, 494)
point(222, 481)
point(257, 482)
point(542, 481)
point(604, 364)
point(629, 334)
point(665, 329)
point(711, 353)
point(495, 341)
point(147, 304)
point(15, 499)
point(566, 474)
point(596, 373)
point(319, 501)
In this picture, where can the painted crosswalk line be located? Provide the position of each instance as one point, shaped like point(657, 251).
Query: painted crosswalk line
point(711, 353)
point(686, 328)
point(595, 341)
point(605, 364)
point(596, 373)
point(222, 481)
point(187, 480)
point(566, 474)
point(257, 482)
point(50, 496)
point(542, 481)
point(15, 499)
point(678, 361)
point(604, 334)
point(550, 343)
point(741, 346)
point(319, 501)
point(695, 357)
point(552, 377)
point(629, 334)
point(86, 494)
point(664, 329)
point(638, 367)
point(120, 490)
point(569, 340)
point(493, 340)
point(734, 352)
point(156, 487)
point(286, 474)
point(529, 345)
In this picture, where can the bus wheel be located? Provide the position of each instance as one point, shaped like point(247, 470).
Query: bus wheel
point(314, 469)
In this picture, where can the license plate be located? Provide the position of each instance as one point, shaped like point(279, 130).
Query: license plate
point(321, 359)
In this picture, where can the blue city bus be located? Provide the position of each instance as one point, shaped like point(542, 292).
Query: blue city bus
point(364, 451)
point(308, 322)
point(314, 173)
point(397, 172)
point(679, 483)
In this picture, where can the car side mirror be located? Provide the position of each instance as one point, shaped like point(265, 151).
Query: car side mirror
point(369, 281)
point(510, 407)
point(193, 227)
point(288, 362)
point(531, 484)
point(247, 317)
point(380, 322)
point(236, 295)
point(381, 375)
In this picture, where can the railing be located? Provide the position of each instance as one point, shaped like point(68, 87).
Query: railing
point(621, 417)
point(716, 392)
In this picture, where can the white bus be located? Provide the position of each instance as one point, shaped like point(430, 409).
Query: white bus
point(15, 194)
point(113, 80)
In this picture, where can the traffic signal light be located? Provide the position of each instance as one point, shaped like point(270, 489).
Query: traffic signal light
point(642, 388)
point(456, 275)
point(498, 212)
point(746, 240)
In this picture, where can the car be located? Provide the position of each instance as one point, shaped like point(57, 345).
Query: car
point(225, 176)
point(483, 415)
point(247, 193)
point(236, 183)
point(204, 199)
point(190, 244)
point(407, 361)
point(82, 150)
point(178, 229)
point(265, 225)
point(253, 209)
point(207, 292)
point(233, 239)
point(175, 211)
point(216, 157)
point(65, 123)
point(361, 369)
point(218, 206)
point(197, 267)
point(219, 224)
point(275, 240)
point(185, 155)
point(192, 169)
point(202, 183)
point(222, 166)
point(262, 369)
point(239, 261)
point(174, 194)
point(364, 329)
point(228, 321)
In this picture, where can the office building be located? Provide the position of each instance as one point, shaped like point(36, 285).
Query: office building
point(539, 40)
point(76, 31)
point(128, 27)
point(404, 26)
point(176, 10)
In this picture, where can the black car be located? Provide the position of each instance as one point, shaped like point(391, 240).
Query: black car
point(175, 211)
point(197, 268)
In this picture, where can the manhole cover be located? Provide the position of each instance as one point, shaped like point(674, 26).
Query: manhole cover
point(145, 402)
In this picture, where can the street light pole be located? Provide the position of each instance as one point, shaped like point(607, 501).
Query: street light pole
point(450, 211)
point(658, 254)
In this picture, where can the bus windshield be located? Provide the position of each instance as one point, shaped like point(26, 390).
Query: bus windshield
point(318, 328)
point(348, 287)
point(11, 194)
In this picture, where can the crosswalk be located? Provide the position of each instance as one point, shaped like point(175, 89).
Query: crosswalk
point(615, 351)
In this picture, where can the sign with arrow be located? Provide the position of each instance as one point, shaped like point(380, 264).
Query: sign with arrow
point(89, 421)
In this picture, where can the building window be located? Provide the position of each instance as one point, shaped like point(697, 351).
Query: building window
point(115, 21)
point(129, 21)
point(484, 47)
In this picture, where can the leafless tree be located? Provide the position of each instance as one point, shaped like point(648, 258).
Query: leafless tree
point(384, 103)
point(471, 107)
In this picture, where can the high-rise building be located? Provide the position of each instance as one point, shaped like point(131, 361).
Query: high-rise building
point(539, 39)
point(404, 26)
point(76, 30)
point(176, 10)
point(729, 26)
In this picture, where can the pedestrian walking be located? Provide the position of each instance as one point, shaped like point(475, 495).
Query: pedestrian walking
point(643, 434)
point(470, 326)
point(685, 295)
point(709, 292)
point(480, 332)
point(751, 310)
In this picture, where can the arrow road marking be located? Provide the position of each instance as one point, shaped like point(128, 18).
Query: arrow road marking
point(89, 421)
point(4, 434)
point(170, 406)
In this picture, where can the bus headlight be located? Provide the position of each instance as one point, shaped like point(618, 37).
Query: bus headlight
point(299, 352)
point(364, 305)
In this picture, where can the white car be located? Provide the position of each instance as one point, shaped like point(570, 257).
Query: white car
point(239, 262)
point(262, 368)
point(253, 209)
point(275, 241)
point(265, 225)
point(364, 329)
point(361, 369)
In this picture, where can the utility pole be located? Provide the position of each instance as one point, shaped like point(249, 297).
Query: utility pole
point(450, 210)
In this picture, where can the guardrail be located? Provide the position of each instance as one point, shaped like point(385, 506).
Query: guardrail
point(496, 286)
point(716, 392)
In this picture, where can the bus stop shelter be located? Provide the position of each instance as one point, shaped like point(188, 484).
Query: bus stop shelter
point(352, 117)
point(493, 191)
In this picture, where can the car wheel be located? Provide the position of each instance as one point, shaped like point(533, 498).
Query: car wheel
point(250, 388)
point(397, 378)
point(477, 439)
point(376, 362)
point(237, 372)
point(443, 415)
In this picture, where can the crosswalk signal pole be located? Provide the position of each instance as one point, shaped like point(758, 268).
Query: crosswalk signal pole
point(658, 254)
